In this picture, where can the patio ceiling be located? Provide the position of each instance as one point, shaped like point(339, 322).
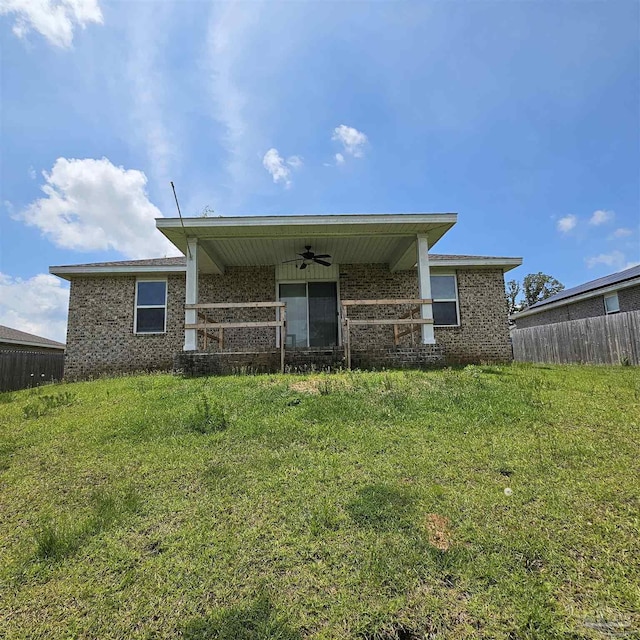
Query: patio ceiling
point(265, 240)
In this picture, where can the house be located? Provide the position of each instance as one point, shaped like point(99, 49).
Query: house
point(268, 293)
point(615, 293)
point(15, 340)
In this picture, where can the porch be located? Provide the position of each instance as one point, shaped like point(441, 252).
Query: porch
point(298, 293)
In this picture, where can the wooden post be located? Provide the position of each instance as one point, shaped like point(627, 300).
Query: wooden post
point(348, 344)
point(283, 335)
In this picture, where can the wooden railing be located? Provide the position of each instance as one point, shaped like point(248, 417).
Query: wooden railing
point(205, 326)
point(347, 322)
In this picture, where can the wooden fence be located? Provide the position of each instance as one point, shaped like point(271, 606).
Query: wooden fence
point(24, 369)
point(612, 339)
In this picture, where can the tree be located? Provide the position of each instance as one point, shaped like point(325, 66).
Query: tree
point(513, 291)
point(535, 287)
point(539, 286)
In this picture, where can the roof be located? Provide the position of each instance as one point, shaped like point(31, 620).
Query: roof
point(14, 336)
point(178, 264)
point(612, 282)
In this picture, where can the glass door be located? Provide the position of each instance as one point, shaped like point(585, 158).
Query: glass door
point(295, 295)
point(323, 314)
point(312, 313)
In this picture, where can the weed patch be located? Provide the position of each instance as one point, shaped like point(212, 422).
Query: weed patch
point(43, 405)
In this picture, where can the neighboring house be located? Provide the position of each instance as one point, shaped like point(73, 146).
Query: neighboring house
point(615, 293)
point(368, 293)
point(14, 340)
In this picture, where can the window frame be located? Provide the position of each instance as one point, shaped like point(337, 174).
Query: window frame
point(609, 296)
point(453, 274)
point(150, 306)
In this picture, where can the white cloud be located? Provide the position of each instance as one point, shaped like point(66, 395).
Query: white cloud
point(339, 158)
point(32, 173)
point(295, 162)
point(600, 217)
point(352, 140)
point(93, 205)
point(616, 259)
point(155, 126)
point(622, 232)
point(275, 165)
point(37, 305)
point(53, 19)
point(567, 223)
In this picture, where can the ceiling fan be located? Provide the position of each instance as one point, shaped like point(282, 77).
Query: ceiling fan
point(309, 256)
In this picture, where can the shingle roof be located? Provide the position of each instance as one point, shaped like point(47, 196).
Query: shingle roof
point(22, 337)
point(181, 261)
point(592, 285)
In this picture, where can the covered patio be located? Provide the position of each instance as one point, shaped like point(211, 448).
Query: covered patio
point(288, 291)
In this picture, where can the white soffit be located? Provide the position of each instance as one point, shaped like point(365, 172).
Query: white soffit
point(266, 240)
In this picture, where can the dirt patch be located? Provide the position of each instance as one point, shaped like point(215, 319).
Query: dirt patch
point(306, 386)
point(439, 531)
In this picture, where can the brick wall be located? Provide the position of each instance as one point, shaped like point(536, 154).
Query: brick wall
point(483, 334)
point(100, 336)
point(241, 284)
point(629, 300)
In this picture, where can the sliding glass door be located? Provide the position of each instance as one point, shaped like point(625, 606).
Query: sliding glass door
point(312, 313)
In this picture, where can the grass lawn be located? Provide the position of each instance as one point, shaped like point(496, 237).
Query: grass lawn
point(485, 502)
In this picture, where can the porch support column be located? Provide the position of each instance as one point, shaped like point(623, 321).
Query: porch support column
point(191, 295)
point(424, 288)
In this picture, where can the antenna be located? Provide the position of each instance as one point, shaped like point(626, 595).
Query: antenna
point(181, 220)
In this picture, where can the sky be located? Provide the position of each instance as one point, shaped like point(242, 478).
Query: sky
point(522, 117)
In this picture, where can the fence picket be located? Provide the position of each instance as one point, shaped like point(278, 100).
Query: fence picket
point(23, 369)
point(608, 339)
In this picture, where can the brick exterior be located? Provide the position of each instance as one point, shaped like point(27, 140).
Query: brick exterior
point(483, 334)
point(100, 336)
point(629, 300)
point(241, 284)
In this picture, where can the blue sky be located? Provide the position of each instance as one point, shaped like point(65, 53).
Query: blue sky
point(523, 117)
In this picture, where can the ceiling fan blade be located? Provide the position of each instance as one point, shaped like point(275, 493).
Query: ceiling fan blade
point(294, 260)
point(324, 263)
point(322, 255)
point(303, 266)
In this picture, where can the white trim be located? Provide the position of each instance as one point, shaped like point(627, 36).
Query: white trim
point(456, 300)
point(150, 306)
point(505, 263)
point(114, 270)
point(609, 297)
point(309, 220)
point(594, 293)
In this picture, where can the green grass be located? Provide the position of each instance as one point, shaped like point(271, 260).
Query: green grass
point(354, 505)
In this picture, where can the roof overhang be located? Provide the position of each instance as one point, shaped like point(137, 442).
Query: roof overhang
point(269, 240)
point(506, 264)
point(67, 272)
point(594, 293)
point(26, 343)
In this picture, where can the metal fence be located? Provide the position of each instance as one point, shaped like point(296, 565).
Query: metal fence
point(612, 339)
point(24, 369)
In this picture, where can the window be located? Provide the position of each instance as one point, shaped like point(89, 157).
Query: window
point(151, 306)
point(611, 303)
point(444, 293)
